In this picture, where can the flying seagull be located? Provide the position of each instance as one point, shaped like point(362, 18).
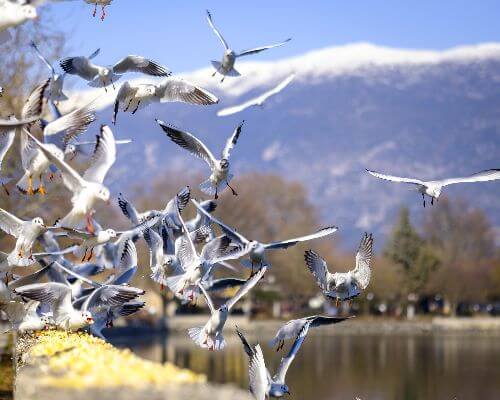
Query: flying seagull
point(220, 175)
point(256, 101)
point(433, 188)
point(103, 76)
point(210, 335)
point(343, 285)
point(256, 250)
point(226, 67)
point(134, 96)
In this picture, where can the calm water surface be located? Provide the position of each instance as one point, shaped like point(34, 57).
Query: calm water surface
point(371, 367)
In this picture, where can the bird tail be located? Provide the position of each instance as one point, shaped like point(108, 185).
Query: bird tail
point(233, 72)
point(208, 187)
point(159, 275)
point(217, 65)
point(198, 336)
point(175, 283)
point(220, 342)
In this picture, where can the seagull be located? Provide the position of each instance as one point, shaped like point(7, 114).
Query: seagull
point(256, 250)
point(210, 336)
point(226, 67)
point(220, 175)
point(56, 135)
point(262, 385)
point(23, 317)
point(57, 80)
point(433, 188)
point(89, 189)
point(12, 14)
point(256, 101)
point(90, 240)
point(26, 232)
point(292, 328)
point(104, 318)
point(135, 96)
point(102, 3)
point(343, 285)
point(103, 76)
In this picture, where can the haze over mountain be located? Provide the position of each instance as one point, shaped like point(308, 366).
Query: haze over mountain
point(425, 114)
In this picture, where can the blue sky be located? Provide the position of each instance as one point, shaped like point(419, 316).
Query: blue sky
point(175, 32)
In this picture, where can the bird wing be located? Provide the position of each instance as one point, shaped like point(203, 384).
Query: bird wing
point(291, 242)
point(6, 140)
point(62, 130)
point(15, 310)
point(58, 295)
point(320, 320)
point(362, 272)
point(236, 109)
point(104, 156)
point(258, 375)
point(227, 230)
point(278, 88)
point(210, 304)
point(223, 41)
point(80, 66)
point(29, 279)
point(216, 248)
point(287, 361)
point(111, 295)
point(34, 103)
point(10, 224)
point(71, 178)
point(395, 178)
point(128, 209)
point(246, 346)
point(483, 176)
point(231, 142)
point(176, 89)
point(78, 234)
point(261, 48)
point(318, 268)
point(128, 256)
point(41, 57)
point(189, 142)
point(126, 91)
point(28, 149)
point(140, 64)
point(249, 284)
point(155, 244)
point(224, 283)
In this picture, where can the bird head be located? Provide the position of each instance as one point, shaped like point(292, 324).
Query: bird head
point(29, 12)
point(87, 317)
point(111, 232)
point(70, 151)
point(103, 194)
point(224, 163)
point(38, 222)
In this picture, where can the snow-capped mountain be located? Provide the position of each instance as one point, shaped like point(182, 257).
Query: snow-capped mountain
point(426, 114)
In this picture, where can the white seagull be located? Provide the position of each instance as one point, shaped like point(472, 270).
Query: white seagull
point(210, 335)
point(103, 76)
point(135, 96)
point(89, 189)
point(220, 175)
point(256, 101)
point(226, 67)
point(433, 188)
point(256, 250)
point(343, 285)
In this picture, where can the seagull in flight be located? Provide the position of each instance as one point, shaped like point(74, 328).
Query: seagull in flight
point(256, 101)
point(433, 188)
point(220, 175)
point(134, 96)
point(226, 67)
point(343, 285)
point(256, 250)
point(104, 76)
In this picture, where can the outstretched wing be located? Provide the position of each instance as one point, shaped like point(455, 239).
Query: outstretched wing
point(282, 85)
point(320, 320)
point(223, 41)
point(287, 361)
point(291, 242)
point(41, 57)
point(483, 176)
point(104, 156)
point(9, 223)
point(140, 64)
point(155, 245)
point(6, 140)
point(318, 268)
point(261, 48)
point(128, 209)
point(231, 142)
point(208, 299)
point(249, 284)
point(189, 142)
point(80, 66)
point(362, 272)
point(34, 103)
point(393, 178)
point(111, 295)
point(258, 375)
point(176, 89)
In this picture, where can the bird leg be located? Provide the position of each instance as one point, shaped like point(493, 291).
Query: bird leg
point(161, 287)
point(432, 201)
point(337, 302)
point(137, 107)
point(90, 254)
point(103, 13)
point(6, 190)
point(128, 105)
point(214, 73)
point(41, 189)
point(84, 255)
point(223, 77)
point(423, 197)
point(216, 194)
point(90, 224)
point(232, 190)
point(30, 186)
point(95, 9)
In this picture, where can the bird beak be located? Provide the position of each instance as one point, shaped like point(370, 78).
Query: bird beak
point(288, 393)
point(90, 320)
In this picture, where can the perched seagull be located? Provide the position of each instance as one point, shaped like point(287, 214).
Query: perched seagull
point(56, 136)
point(135, 96)
point(256, 250)
point(57, 80)
point(26, 232)
point(89, 189)
point(210, 336)
point(292, 328)
point(256, 101)
point(102, 3)
point(220, 175)
point(12, 14)
point(433, 188)
point(226, 67)
point(343, 285)
point(262, 385)
point(103, 76)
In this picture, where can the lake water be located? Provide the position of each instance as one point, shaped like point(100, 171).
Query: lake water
point(370, 367)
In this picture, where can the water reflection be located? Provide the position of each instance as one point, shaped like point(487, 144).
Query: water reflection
point(371, 367)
